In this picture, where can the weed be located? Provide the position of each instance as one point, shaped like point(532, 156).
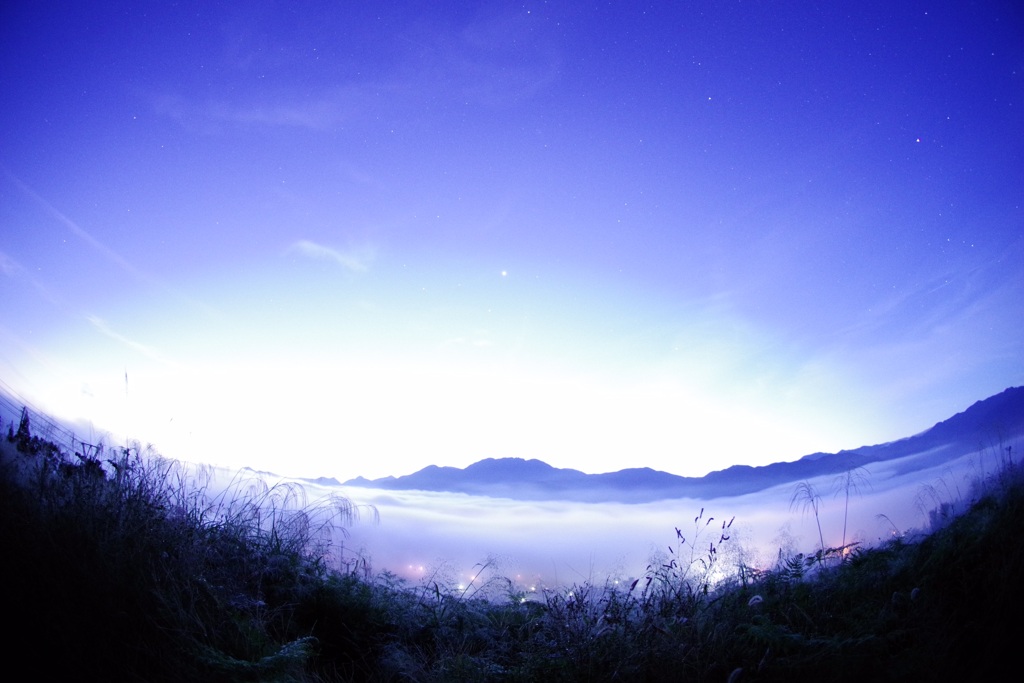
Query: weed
point(850, 480)
point(807, 497)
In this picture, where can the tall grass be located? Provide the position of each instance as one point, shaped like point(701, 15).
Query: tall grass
point(124, 561)
point(121, 565)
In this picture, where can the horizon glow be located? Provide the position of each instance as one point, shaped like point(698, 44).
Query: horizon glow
point(358, 241)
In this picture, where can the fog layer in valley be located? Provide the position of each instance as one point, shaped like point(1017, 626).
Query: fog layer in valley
point(426, 535)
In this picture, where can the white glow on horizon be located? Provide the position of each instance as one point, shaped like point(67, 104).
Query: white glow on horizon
point(320, 384)
point(378, 419)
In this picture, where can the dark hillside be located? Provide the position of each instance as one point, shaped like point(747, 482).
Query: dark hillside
point(117, 570)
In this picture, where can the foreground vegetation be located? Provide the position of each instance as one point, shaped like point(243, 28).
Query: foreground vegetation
point(120, 566)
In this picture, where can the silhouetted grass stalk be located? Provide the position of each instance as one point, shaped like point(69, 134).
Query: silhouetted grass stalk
point(850, 480)
point(807, 497)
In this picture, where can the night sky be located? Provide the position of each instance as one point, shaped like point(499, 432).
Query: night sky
point(358, 238)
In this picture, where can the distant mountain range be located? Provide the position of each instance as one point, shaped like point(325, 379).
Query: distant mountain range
point(991, 423)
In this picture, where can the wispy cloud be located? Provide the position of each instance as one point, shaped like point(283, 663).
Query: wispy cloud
point(144, 349)
point(9, 267)
point(356, 261)
point(78, 231)
point(326, 111)
point(921, 351)
point(503, 58)
point(499, 59)
point(96, 244)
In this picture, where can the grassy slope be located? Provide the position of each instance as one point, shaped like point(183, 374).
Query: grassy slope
point(124, 571)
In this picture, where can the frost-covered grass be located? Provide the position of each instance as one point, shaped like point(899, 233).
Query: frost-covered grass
point(126, 566)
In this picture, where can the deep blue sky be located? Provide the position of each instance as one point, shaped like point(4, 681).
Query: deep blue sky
point(341, 238)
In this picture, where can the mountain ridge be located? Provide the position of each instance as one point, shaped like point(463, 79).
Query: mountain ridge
point(999, 417)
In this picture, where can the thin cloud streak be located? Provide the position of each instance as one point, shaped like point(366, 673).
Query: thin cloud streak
point(333, 108)
point(14, 270)
point(144, 349)
point(323, 114)
point(354, 261)
point(98, 245)
point(78, 231)
point(495, 62)
point(9, 266)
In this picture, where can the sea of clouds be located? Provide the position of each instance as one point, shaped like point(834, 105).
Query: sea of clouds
point(422, 535)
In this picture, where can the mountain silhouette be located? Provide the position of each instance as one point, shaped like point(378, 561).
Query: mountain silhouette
point(988, 424)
